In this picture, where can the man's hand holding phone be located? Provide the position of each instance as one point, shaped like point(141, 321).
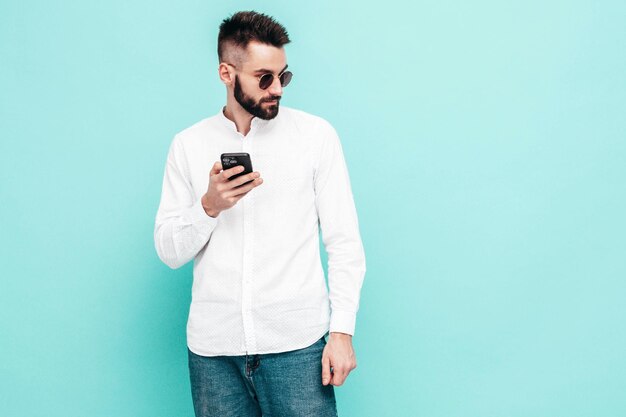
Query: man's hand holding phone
point(223, 193)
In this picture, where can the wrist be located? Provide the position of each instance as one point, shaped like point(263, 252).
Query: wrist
point(210, 211)
point(339, 334)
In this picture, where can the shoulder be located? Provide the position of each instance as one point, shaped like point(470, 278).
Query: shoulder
point(316, 131)
point(306, 122)
point(197, 132)
point(320, 136)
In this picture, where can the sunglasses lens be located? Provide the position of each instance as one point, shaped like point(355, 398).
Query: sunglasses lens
point(266, 81)
point(285, 78)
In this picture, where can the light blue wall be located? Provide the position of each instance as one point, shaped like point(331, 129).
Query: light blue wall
point(486, 146)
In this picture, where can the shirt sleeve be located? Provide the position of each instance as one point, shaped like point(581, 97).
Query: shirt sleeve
point(182, 227)
point(340, 232)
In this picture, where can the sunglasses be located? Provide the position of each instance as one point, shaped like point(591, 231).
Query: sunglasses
point(266, 80)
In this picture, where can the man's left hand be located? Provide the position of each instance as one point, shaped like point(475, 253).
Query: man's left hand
point(339, 355)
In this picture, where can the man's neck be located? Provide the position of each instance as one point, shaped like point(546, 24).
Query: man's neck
point(242, 119)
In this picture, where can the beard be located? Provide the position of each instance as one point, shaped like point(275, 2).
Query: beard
point(255, 108)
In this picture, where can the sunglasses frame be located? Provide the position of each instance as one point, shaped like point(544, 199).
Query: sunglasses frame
point(284, 78)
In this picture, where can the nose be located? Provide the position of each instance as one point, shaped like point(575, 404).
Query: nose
point(275, 88)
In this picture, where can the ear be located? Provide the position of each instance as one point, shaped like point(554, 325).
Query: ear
point(225, 74)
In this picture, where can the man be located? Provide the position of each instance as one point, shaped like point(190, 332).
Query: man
point(260, 308)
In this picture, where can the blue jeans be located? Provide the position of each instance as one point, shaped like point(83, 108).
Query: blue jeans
point(286, 384)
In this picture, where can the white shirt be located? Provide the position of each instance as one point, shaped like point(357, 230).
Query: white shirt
point(258, 283)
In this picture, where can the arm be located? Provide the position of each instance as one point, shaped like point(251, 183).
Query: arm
point(346, 258)
point(340, 233)
point(182, 226)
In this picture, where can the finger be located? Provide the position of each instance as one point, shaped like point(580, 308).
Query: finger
point(243, 189)
point(217, 167)
point(243, 179)
point(226, 174)
point(238, 197)
point(325, 370)
point(243, 182)
point(339, 378)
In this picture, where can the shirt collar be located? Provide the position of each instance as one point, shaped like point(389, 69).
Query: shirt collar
point(255, 124)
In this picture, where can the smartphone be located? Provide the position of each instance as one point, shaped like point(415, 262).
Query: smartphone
point(230, 160)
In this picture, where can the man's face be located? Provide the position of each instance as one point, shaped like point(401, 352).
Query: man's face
point(260, 59)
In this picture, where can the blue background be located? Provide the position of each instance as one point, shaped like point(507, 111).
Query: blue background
point(486, 147)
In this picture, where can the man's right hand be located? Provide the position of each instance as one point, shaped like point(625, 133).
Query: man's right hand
point(223, 193)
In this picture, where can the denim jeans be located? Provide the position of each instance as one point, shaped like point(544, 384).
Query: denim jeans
point(286, 384)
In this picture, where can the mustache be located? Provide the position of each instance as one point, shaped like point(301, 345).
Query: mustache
point(272, 98)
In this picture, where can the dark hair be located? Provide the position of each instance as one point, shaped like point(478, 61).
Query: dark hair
point(243, 27)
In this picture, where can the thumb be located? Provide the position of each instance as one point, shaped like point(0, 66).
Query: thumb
point(325, 370)
point(217, 167)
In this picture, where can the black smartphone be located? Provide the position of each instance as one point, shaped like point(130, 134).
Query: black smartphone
point(230, 160)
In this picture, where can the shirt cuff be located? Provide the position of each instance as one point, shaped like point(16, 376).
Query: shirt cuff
point(197, 214)
point(342, 322)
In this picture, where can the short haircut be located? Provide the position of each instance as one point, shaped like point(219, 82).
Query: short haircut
point(243, 27)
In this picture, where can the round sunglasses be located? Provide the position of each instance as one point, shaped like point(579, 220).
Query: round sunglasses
point(266, 80)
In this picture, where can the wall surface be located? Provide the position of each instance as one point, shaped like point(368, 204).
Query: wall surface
point(486, 143)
